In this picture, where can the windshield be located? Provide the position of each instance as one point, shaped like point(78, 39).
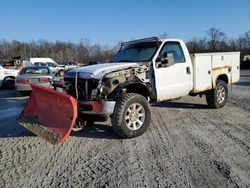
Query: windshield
point(143, 52)
point(35, 70)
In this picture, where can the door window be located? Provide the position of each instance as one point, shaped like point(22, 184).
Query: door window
point(51, 65)
point(39, 64)
point(175, 49)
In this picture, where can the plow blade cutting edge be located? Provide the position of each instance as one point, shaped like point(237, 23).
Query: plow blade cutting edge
point(49, 114)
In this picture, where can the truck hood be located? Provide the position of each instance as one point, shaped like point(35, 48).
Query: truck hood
point(99, 70)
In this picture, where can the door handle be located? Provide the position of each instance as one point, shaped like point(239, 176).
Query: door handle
point(188, 70)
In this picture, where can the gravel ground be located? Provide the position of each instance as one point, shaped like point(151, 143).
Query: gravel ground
point(187, 145)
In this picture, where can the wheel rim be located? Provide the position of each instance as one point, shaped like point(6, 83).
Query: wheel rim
point(61, 73)
point(135, 116)
point(221, 94)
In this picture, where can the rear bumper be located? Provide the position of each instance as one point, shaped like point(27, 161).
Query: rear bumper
point(23, 87)
point(101, 107)
point(26, 87)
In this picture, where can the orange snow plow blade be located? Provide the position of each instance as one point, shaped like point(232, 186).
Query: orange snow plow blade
point(49, 114)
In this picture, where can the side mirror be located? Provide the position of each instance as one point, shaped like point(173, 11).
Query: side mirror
point(166, 61)
point(170, 58)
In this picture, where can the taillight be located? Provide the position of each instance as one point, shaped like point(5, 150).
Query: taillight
point(44, 79)
point(22, 81)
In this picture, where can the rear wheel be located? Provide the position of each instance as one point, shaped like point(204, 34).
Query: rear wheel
point(217, 97)
point(131, 115)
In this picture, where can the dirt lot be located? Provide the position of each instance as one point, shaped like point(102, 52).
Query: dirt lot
point(187, 145)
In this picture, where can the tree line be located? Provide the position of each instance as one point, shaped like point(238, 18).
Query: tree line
point(215, 40)
point(59, 51)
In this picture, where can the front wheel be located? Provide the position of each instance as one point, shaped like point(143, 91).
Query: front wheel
point(131, 115)
point(217, 97)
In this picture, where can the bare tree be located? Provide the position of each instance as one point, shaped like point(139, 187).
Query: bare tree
point(215, 38)
point(197, 45)
point(232, 44)
point(245, 38)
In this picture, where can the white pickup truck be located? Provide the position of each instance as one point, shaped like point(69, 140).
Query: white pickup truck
point(7, 77)
point(149, 70)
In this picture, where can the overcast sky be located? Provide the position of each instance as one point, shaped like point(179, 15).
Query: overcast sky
point(110, 21)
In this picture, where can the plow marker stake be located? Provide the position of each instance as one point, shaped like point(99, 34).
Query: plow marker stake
point(49, 114)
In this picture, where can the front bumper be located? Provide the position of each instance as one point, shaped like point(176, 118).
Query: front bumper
point(101, 107)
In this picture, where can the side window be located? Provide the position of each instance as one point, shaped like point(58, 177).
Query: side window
point(50, 65)
point(175, 48)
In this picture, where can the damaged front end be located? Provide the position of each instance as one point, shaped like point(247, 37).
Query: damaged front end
point(97, 92)
point(82, 86)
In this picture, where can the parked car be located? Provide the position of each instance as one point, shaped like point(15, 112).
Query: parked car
point(70, 65)
point(40, 75)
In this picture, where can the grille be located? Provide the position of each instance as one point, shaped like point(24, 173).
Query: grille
point(85, 88)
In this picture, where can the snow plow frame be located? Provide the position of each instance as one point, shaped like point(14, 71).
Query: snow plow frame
point(49, 114)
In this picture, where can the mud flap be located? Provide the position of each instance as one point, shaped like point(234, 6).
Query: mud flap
point(49, 114)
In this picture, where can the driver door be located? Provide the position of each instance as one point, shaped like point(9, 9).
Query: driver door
point(172, 81)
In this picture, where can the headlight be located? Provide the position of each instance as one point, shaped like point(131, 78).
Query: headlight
point(86, 75)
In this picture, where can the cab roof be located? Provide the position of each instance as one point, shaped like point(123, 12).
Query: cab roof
point(145, 40)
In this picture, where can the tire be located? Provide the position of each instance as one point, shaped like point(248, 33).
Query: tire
point(217, 97)
point(131, 115)
point(61, 73)
point(9, 83)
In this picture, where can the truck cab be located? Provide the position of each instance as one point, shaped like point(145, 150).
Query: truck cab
point(173, 71)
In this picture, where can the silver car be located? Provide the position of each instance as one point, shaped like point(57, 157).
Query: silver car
point(40, 75)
